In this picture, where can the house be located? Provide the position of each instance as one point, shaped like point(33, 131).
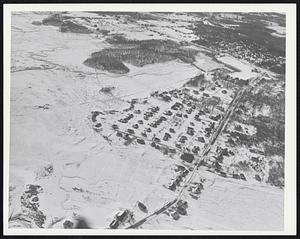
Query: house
point(153, 144)
point(98, 125)
point(195, 149)
point(140, 141)
point(181, 211)
point(135, 126)
point(155, 139)
point(94, 115)
point(130, 131)
point(220, 108)
point(201, 139)
point(257, 177)
point(166, 137)
point(201, 112)
point(114, 224)
point(175, 215)
point(172, 187)
point(180, 168)
point(189, 111)
point(114, 126)
point(255, 159)
point(190, 131)
point(168, 113)
point(185, 172)
point(121, 216)
point(177, 106)
point(172, 130)
point(243, 177)
point(172, 151)
point(148, 130)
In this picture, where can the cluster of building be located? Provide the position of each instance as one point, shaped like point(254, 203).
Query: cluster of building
point(250, 52)
point(175, 122)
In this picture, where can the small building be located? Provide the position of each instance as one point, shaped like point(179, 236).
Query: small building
point(130, 131)
point(190, 131)
point(175, 215)
point(135, 126)
point(257, 177)
point(172, 151)
point(166, 137)
point(255, 159)
point(114, 126)
point(168, 113)
point(140, 141)
point(201, 139)
point(242, 176)
point(114, 224)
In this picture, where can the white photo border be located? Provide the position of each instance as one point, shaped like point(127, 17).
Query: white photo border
point(290, 109)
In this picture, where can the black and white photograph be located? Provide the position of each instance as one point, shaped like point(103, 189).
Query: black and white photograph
point(133, 120)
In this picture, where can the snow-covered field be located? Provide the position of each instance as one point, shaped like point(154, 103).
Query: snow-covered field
point(244, 67)
point(60, 136)
point(229, 204)
point(206, 63)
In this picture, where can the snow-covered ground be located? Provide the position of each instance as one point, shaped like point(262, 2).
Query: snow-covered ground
point(228, 204)
point(207, 63)
point(61, 136)
point(244, 67)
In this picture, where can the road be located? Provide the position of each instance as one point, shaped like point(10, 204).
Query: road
point(205, 150)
